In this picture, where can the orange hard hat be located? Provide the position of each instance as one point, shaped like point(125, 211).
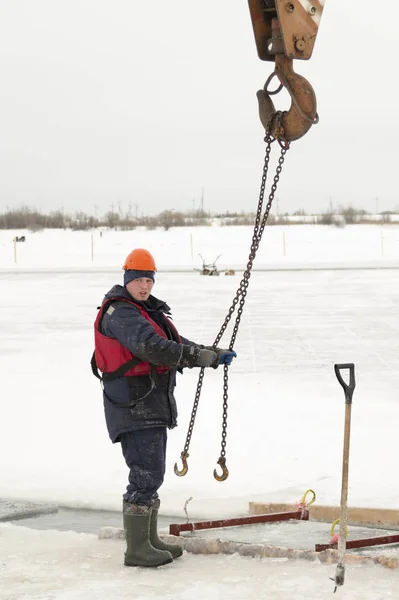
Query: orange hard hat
point(139, 260)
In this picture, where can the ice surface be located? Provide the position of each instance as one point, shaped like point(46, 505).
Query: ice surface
point(85, 521)
point(10, 510)
point(48, 565)
point(288, 534)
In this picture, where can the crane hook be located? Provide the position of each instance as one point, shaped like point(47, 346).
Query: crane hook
point(292, 124)
point(225, 471)
point(184, 456)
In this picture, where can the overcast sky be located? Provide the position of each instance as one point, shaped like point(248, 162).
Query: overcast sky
point(132, 102)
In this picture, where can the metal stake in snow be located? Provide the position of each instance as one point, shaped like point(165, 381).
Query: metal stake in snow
point(348, 389)
point(188, 520)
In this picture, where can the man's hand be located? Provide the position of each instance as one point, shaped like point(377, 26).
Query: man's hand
point(226, 356)
point(207, 358)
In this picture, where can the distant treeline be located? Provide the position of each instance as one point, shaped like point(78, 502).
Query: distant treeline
point(34, 220)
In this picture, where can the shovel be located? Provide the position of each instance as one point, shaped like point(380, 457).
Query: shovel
point(348, 389)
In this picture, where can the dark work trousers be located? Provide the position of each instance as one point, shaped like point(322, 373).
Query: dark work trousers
point(145, 452)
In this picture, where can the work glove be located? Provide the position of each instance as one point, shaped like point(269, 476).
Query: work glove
point(225, 356)
point(207, 358)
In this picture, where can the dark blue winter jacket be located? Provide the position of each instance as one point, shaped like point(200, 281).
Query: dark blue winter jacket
point(140, 402)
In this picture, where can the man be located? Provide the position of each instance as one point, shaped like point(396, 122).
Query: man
point(138, 350)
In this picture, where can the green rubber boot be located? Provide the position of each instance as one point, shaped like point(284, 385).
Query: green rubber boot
point(174, 549)
point(139, 551)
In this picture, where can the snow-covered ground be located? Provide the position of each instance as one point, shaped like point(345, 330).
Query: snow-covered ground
point(286, 408)
point(179, 248)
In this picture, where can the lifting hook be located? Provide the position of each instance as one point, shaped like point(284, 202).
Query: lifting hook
point(292, 124)
point(225, 471)
point(184, 456)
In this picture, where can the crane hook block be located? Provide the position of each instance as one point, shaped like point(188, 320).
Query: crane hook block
point(292, 124)
point(298, 21)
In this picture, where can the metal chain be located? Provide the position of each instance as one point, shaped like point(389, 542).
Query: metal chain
point(243, 288)
point(240, 297)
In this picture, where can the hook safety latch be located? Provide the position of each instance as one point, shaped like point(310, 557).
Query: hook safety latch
point(225, 471)
point(292, 124)
point(184, 456)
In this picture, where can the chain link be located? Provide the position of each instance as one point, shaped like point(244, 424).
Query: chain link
point(194, 411)
point(240, 296)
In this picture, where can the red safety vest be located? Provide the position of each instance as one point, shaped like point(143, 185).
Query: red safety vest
point(110, 355)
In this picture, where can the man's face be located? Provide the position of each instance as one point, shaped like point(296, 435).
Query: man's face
point(140, 288)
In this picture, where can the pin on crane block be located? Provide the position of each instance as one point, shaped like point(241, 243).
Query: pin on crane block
point(299, 23)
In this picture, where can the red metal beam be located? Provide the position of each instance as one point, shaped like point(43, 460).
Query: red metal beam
point(175, 529)
point(362, 543)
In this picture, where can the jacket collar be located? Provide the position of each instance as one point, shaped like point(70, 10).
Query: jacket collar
point(152, 304)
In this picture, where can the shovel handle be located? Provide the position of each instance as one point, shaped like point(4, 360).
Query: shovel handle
point(349, 388)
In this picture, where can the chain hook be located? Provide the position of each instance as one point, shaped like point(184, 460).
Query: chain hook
point(184, 456)
point(225, 471)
